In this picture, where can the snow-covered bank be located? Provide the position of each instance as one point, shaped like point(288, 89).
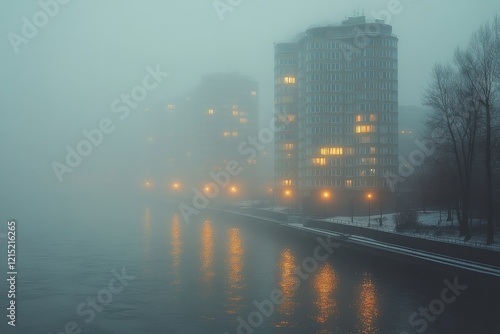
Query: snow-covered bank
point(431, 227)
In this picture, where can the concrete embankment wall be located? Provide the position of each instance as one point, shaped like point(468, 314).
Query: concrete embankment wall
point(466, 253)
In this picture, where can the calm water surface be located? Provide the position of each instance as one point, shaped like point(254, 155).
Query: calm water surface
point(211, 275)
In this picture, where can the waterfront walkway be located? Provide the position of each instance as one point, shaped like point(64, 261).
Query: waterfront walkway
point(460, 256)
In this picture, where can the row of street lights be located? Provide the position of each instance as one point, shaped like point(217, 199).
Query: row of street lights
point(287, 193)
point(326, 195)
point(176, 186)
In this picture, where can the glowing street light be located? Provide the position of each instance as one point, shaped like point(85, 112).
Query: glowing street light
point(326, 196)
point(288, 195)
point(271, 196)
point(234, 190)
point(176, 186)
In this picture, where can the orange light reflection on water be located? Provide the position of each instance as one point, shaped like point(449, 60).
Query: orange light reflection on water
point(288, 285)
point(207, 255)
point(325, 283)
point(235, 271)
point(368, 310)
point(176, 248)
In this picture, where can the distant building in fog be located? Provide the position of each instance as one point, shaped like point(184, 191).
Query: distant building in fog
point(218, 116)
point(227, 113)
point(336, 104)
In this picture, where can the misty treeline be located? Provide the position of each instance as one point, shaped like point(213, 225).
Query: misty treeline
point(464, 126)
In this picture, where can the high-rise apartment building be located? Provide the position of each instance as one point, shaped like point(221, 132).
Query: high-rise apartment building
point(336, 104)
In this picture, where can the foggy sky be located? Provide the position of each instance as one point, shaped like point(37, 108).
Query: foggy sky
point(65, 78)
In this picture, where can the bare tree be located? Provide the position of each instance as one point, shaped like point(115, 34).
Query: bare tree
point(444, 179)
point(479, 64)
point(453, 127)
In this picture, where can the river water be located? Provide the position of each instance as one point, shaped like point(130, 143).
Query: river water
point(137, 267)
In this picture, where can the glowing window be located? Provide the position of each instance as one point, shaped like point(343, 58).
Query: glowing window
point(210, 111)
point(373, 150)
point(348, 183)
point(235, 113)
point(364, 128)
point(235, 134)
point(373, 118)
point(331, 151)
point(287, 182)
point(318, 161)
point(170, 106)
point(359, 118)
point(289, 80)
point(253, 93)
point(288, 146)
point(226, 134)
point(243, 120)
point(285, 118)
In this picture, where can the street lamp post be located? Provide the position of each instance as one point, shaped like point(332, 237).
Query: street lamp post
point(287, 195)
point(380, 204)
point(176, 188)
point(352, 208)
point(233, 193)
point(326, 196)
point(369, 204)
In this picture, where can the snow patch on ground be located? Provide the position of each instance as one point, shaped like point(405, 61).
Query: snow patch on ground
point(433, 226)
